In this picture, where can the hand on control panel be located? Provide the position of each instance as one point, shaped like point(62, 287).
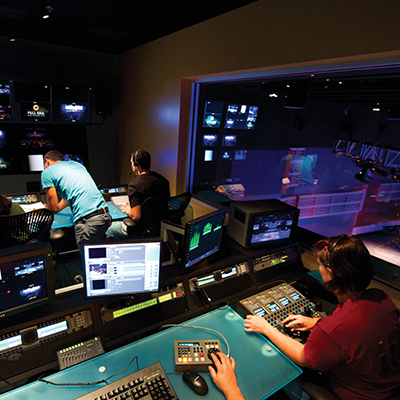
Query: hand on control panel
point(299, 323)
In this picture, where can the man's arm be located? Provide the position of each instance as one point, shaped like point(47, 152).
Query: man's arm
point(52, 200)
point(134, 213)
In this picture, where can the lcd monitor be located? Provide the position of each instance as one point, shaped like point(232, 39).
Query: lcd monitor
point(122, 268)
point(202, 238)
point(229, 141)
point(213, 114)
point(26, 278)
point(241, 116)
point(31, 92)
point(210, 140)
point(36, 111)
point(73, 112)
point(261, 223)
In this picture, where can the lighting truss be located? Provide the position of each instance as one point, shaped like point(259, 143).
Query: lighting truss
point(368, 155)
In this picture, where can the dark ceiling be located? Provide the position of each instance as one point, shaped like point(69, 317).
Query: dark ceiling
point(110, 26)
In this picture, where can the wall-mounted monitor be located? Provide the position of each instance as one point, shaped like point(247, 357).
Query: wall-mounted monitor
point(241, 116)
point(73, 112)
point(213, 114)
point(121, 268)
point(36, 138)
point(26, 278)
point(5, 102)
point(36, 111)
point(210, 140)
point(208, 155)
point(32, 92)
point(229, 141)
point(261, 223)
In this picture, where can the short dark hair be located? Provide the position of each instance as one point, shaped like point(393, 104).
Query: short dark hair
point(142, 158)
point(5, 205)
point(349, 260)
point(54, 155)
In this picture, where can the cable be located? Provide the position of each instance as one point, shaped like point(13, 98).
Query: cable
point(92, 383)
point(201, 327)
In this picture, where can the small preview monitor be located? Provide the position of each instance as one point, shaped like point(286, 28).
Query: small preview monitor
point(73, 112)
point(202, 237)
point(36, 138)
point(32, 92)
point(121, 268)
point(241, 116)
point(226, 155)
point(229, 141)
point(213, 114)
point(261, 223)
point(5, 102)
point(26, 278)
point(210, 140)
point(208, 155)
point(36, 162)
point(34, 111)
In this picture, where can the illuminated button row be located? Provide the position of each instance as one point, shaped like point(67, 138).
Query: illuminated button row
point(135, 307)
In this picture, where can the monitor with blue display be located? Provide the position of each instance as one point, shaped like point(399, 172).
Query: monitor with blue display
point(241, 116)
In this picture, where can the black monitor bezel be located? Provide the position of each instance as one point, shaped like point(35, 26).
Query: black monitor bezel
point(120, 242)
point(16, 253)
point(186, 239)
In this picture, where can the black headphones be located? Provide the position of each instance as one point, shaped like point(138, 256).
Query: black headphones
point(326, 263)
point(135, 161)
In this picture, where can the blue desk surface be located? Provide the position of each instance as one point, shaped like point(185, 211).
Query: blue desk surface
point(64, 218)
point(261, 368)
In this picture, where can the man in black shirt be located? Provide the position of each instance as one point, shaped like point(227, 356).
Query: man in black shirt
point(147, 183)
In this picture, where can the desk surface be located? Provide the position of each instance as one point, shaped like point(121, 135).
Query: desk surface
point(261, 368)
point(64, 218)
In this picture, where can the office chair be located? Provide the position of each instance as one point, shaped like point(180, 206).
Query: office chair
point(154, 210)
point(177, 206)
point(317, 392)
point(33, 226)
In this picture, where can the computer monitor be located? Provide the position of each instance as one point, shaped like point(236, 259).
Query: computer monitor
point(261, 223)
point(26, 278)
point(202, 238)
point(212, 114)
point(121, 268)
point(241, 116)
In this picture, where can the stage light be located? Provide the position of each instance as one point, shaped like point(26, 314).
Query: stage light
point(376, 107)
point(273, 93)
point(395, 175)
point(363, 177)
point(377, 171)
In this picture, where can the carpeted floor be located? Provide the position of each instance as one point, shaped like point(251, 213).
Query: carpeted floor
point(68, 270)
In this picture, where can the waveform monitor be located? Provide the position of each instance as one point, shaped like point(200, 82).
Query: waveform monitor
point(202, 237)
point(122, 267)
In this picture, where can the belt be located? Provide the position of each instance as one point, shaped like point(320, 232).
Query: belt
point(97, 212)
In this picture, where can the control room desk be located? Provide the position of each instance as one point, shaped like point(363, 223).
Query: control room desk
point(64, 219)
point(261, 369)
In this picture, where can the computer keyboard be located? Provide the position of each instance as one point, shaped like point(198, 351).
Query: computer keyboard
point(150, 383)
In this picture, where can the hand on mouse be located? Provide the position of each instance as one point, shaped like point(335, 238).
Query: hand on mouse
point(225, 377)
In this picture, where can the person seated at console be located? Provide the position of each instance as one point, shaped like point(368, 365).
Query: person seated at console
point(7, 207)
point(146, 183)
point(357, 348)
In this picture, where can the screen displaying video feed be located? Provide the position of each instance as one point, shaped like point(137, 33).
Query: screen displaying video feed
point(7, 163)
point(3, 138)
point(229, 141)
point(74, 157)
point(37, 112)
point(241, 116)
point(210, 140)
point(5, 103)
point(36, 138)
point(226, 155)
point(73, 112)
point(213, 114)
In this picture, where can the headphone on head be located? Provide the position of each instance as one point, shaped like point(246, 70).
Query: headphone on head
point(327, 262)
point(135, 161)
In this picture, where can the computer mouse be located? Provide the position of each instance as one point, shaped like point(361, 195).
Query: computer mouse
point(215, 351)
point(196, 382)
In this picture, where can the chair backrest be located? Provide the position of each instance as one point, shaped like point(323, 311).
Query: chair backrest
point(154, 210)
point(33, 226)
point(177, 206)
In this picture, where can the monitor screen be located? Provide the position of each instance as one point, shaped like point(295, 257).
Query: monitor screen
point(37, 112)
point(120, 268)
point(26, 277)
point(210, 140)
point(73, 112)
point(202, 237)
point(36, 138)
point(5, 103)
point(272, 227)
point(213, 114)
point(241, 116)
point(229, 141)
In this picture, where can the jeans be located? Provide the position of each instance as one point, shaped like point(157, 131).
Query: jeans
point(93, 228)
point(117, 230)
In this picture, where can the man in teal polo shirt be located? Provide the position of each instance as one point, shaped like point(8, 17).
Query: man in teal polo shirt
point(77, 189)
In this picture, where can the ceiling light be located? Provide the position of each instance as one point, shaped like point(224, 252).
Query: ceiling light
point(376, 107)
point(363, 177)
point(273, 93)
point(47, 10)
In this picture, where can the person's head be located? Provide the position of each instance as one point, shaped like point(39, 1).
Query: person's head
point(5, 205)
point(140, 160)
point(344, 263)
point(52, 157)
